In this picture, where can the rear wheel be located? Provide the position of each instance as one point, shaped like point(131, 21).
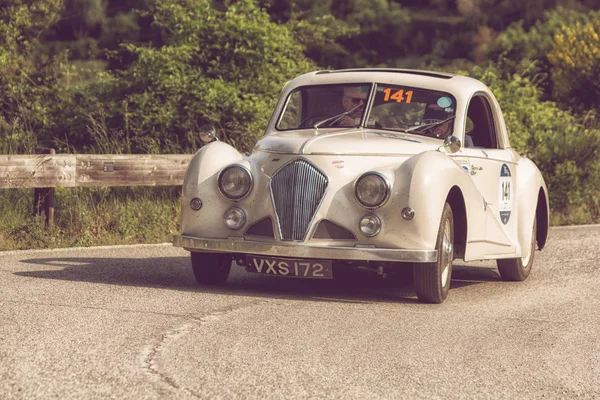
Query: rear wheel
point(518, 269)
point(211, 268)
point(432, 280)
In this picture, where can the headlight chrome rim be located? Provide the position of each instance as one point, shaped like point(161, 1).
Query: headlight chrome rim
point(373, 219)
point(384, 199)
point(229, 215)
point(245, 193)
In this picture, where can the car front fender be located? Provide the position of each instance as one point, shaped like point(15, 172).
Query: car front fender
point(424, 183)
point(201, 182)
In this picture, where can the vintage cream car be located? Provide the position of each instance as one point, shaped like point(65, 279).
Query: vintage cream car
point(376, 168)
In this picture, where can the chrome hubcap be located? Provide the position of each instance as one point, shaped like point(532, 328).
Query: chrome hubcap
point(447, 254)
point(525, 260)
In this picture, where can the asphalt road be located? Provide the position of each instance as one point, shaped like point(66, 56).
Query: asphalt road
point(130, 322)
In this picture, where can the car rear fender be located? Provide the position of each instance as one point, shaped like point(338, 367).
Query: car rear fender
point(532, 202)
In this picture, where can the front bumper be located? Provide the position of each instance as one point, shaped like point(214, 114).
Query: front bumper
point(304, 251)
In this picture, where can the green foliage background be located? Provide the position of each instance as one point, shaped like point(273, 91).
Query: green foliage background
point(141, 76)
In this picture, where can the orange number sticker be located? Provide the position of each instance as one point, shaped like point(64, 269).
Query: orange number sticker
point(399, 96)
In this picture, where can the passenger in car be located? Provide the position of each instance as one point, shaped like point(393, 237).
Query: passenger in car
point(470, 126)
point(434, 113)
point(468, 140)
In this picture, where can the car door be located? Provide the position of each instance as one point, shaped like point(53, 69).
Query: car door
point(493, 172)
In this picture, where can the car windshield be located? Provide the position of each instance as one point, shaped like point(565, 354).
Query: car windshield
point(392, 107)
point(325, 106)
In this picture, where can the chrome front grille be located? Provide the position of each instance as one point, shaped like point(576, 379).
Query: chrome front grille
point(297, 190)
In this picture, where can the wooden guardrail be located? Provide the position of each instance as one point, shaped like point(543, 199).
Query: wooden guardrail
point(44, 172)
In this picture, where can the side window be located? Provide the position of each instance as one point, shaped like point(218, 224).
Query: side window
point(483, 128)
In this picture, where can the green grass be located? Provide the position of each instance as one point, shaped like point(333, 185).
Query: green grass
point(90, 217)
point(121, 215)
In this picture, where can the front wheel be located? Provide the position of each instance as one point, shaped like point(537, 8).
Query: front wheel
point(432, 280)
point(211, 268)
point(518, 269)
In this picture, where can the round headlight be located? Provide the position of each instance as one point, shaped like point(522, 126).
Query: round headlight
point(235, 182)
point(370, 225)
point(372, 190)
point(234, 218)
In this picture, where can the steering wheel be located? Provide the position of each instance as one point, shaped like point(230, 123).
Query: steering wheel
point(430, 130)
point(430, 121)
point(400, 122)
point(423, 129)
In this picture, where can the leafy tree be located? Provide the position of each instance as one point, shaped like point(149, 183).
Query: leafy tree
point(575, 59)
point(28, 77)
point(519, 49)
point(345, 33)
point(383, 29)
point(220, 66)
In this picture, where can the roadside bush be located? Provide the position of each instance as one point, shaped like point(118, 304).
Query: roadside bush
point(28, 77)
point(219, 66)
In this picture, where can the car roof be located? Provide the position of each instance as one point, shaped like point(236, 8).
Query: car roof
point(456, 84)
point(461, 87)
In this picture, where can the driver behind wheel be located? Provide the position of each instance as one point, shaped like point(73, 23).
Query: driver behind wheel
point(354, 99)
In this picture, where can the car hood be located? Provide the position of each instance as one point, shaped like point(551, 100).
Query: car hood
point(347, 141)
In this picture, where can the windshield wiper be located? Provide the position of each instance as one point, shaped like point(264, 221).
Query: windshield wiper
point(335, 118)
point(430, 125)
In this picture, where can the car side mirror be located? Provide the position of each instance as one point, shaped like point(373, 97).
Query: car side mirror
point(452, 144)
point(208, 133)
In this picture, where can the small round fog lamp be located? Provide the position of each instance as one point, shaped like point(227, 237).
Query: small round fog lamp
point(234, 218)
point(408, 213)
point(195, 204)
point(370, 225)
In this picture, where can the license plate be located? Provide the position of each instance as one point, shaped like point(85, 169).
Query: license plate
point(297, 268)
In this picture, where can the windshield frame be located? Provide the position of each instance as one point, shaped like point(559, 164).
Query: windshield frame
point(373, 88)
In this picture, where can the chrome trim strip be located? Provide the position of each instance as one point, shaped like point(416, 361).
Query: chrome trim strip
point(283, 108)
point(369, 105)
point(286, 249)
point(465, 154)
point(489, 241)
point(334, 154)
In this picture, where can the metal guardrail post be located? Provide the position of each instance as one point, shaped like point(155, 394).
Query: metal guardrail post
point(43, 198)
